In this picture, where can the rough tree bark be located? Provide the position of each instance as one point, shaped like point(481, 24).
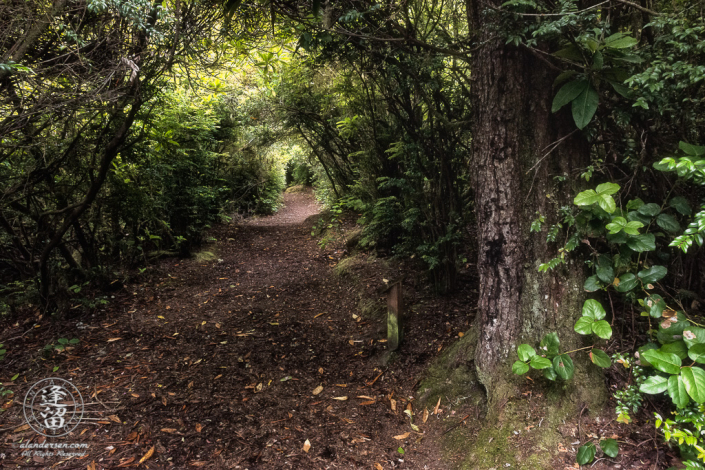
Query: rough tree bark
point(513, 179)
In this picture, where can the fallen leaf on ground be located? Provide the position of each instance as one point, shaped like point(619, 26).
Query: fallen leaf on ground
point(146, 456)
point(340, 398)
point(393, 404)
point(317, 390)
point(22, 428)
point(198, 427)
point(307, 446)
point(402, 436)
point(438, 406)
point(378, 466)
point(424, 417)
point(114, 419)
point(110, 340)
point(169, 430)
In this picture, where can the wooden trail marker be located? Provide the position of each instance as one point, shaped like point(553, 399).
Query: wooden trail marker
point(395, 314)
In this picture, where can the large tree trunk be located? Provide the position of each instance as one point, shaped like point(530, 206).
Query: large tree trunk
point(513, 179)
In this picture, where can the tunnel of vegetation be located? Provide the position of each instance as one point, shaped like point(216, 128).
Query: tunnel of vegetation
point(552, 145)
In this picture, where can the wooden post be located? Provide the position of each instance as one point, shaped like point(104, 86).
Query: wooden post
point(395, 314)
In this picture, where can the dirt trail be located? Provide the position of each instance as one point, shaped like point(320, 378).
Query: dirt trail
point(215, 364)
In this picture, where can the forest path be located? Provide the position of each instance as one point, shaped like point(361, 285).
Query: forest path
point(219, 364)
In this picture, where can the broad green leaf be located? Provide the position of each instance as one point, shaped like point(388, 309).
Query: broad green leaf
point(679, 348)
point(609, 447)
point(622, 43)
point(597, 61)
point(593, 309)
point(592, 284)
point(634, 204)
point(640, 243)
point(614, 37)
point(550, 345)
point(585, 198)
point(697, 353)
point(694, 380)
point(681, 205)
point(520, 368)
point(632, 228)
point(602, 329)
point(646, 347)
point(693, 150)
point(617, 224)
point(677, 391)
point(605, 274)
point(586, 453)
point(607, 188)
point(668, 223)
point(550, 374)
point(525, 352)
point(653, 274)
point(571, 52)
point(606, 203)
point(650, 209)
point(693, 335)
point(665, 362)
point(568, 93)
point(600, 358)
point(584, 325)
point(563, 365)
point(538, 362)
point(656, 305)
point(584, 107)
point(634, 216)
point(627, 282)
point(654, 384)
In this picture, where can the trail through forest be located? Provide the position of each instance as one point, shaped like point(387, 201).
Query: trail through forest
point(243, 361)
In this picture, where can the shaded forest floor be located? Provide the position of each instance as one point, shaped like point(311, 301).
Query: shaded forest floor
point(219, 363)
point(264, 342)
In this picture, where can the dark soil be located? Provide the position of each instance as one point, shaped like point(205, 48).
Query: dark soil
point(215, 363)
point(240, 356)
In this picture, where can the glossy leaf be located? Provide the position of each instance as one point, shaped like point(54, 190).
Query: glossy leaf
point(525, 352)
point(665, 362)
point(584, 107)
point(668, 223)
point(654, 385)
point(593, 309)
point(694, 380)
point(586, 453)
point(653, 274)
point(609, 447)
point(592, 284)
point(602, 329)
point(627, 282)
point(600, 358)
point(641, 243)
point(538, 362)
point(677, 391)
point(563, 365)
point(550, 344)
point(568, 93)
point(697, 353)
point(584, 325)
point(520, 368)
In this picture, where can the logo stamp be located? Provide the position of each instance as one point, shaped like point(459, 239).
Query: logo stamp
point(53, 407)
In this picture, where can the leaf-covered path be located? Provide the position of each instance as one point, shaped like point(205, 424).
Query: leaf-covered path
point(238, 361)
